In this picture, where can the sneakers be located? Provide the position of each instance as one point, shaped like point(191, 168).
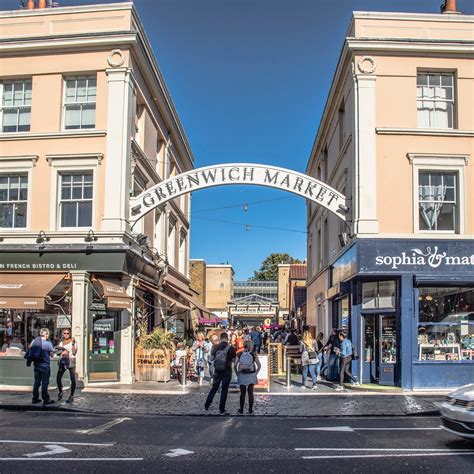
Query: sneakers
point(205, 411)
point(34, 401)
point(339, 388)
point(70, 400)
point(240, 412)
point(60, 396)
point(251, 412)
point(49, 402)
point(314, 387)
point(318, 378)
point(355, 384)
point(223, 413)
point(304, 386)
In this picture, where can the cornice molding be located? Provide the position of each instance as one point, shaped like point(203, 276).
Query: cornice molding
point(444, 158)
point(75, 157)
point(51, 135)
point(442, 18)
point(432, 132)
point(410, 45)
point(32, 158)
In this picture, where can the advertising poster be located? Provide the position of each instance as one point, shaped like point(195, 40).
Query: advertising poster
point(263, 377)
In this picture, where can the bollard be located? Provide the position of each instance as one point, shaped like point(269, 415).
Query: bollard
point(288, 372)
point(184, 371)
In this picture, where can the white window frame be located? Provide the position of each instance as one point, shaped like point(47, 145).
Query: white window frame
point(453, 100)
point(182, 251)
point(13, 106)
point(441, 163)
point(63, 164)
point(20, 165)
point(65, 104)
point(171, 239)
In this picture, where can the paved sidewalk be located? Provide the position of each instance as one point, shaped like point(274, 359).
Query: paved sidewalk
point(294, 405)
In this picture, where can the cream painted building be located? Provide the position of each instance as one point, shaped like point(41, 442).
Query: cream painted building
point(86, 123)
point(219, 288)
point(397, 138)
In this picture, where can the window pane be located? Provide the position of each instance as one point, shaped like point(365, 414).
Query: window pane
point(14, 188)
point(447, 80)
point(7, 94)
point(68, 214)
point(24, 120)
point(77, 191)
point(3, 188)
point(446, 218)
point(9, 120)
point(88, 116)
point(70, 91)
point(91, 91)
point(422, 79)
point(81, 89)
point(23, 188)
point(88, 191)
point(446, 304)
point(6, 215)
point(387, 294)
point(85, 214)
point(20, 214)
point(369, 295)
point(73, 117)
point(450, 114)
point(18, 94)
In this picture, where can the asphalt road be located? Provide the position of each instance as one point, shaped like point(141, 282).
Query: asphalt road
point(56, 441)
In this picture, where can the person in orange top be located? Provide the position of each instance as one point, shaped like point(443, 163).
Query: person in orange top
point(239, 342)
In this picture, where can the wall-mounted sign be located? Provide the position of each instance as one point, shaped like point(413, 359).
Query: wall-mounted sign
point(239, 173)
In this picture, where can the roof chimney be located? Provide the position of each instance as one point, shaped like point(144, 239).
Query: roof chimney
point(449, 6)
point(31, 5)
point(42, 4)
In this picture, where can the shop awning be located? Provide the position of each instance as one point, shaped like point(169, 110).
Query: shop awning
point(213, 320)
point(178, 285)
point(26, 290)
point(162, 294)
point(194, 302)
point(115, 294)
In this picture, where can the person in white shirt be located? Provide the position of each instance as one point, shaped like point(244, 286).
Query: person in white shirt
point(67, 361)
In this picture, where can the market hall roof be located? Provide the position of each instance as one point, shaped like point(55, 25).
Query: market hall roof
point(254, 299)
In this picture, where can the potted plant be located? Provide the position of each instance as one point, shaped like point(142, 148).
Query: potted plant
point(153, 355)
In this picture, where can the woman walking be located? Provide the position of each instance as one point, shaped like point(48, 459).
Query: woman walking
point(67, 361)
point(247, 366)
point(309, 358)
point(320, 343)
point(200, 349)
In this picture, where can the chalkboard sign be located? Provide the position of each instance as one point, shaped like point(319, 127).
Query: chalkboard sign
point(275, 358)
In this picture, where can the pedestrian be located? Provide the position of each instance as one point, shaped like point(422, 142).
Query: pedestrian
point(265, 340)
point(239, 342)
point(223, 356)
point(292, 339)
point(199, 348)
point(67, 361)
point(346, 359)
point(210, 361)
point(39, 353)
point(319, 342)
point(309, 358)
point(332, 346)
point(255, 336)
point(247, 366)
point(246, 335)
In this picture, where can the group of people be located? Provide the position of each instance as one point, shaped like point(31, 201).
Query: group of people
point(39, 355)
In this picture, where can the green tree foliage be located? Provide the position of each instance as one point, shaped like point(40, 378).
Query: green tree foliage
point(269, 269)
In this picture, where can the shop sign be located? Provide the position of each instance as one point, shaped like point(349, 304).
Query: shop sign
point(416, 256)
point(105, 325)
point(152, 359)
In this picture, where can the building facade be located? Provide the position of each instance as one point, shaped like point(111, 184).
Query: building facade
point(87, 123)
point(397, 138)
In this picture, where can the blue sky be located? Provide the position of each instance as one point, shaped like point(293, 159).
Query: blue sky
point(249, 79)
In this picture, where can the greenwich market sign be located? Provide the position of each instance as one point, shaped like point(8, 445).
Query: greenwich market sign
point(239, 173)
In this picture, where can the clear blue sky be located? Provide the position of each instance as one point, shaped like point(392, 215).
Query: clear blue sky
point(249, 79)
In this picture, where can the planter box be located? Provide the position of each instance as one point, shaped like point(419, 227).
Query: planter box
point(152, 365)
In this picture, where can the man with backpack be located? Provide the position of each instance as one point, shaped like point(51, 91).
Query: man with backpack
point(39, 353)
point(346, 352)
point(223, 355)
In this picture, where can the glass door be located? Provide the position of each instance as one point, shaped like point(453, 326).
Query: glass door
point(370, 354)
point(388, 349)
point(104, 346)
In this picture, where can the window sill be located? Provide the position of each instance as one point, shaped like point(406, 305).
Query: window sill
point(436, 132)
point(49, 135)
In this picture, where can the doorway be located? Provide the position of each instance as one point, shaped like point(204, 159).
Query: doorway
point(379, 357)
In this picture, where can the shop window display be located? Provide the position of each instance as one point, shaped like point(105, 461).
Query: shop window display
point(446, 324)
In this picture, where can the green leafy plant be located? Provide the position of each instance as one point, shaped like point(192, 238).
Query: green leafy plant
point(157, 339)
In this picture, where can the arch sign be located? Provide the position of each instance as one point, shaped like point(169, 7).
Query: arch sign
point(239, 173)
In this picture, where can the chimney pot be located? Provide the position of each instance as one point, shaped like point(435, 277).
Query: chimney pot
point(449, 6)
point(42, 4)
point(31, 5)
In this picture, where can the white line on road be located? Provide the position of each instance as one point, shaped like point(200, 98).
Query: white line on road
point(348, 429)
point(174, 453)
point(385, 450)
point(407, 455)
point(70, 459)
point(67, 443)
point(103, 428)
point(51, 449)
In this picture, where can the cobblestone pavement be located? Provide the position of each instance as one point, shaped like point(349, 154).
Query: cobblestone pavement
point(265, 404)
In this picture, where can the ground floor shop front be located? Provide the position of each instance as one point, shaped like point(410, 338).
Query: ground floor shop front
point(105, 298)
point(408, 306)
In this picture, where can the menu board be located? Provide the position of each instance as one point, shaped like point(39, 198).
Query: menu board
point(263, 374)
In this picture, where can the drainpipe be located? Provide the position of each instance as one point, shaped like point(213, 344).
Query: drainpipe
point(355, 195)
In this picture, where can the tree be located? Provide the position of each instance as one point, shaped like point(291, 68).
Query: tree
point(269, 269)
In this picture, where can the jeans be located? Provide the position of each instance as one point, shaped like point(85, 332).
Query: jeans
point(210, 365)
point(311, 368)
point(72, 375)
point(42, 375)
point(346, 369)
point(243, 390)
point(224, 377)
point(333, 367)
point(256, 348)
point(319, 365)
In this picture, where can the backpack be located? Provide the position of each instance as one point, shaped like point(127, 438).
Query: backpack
point(246, 363)
point(34, 352)
point(220, 359)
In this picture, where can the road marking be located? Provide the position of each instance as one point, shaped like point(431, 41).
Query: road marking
point(350, 429)
point(70, 459)
point(405, 455)
point(103, 428)
point(52, 449)
point(385, 450)
point(174, 453)
point(67, 443)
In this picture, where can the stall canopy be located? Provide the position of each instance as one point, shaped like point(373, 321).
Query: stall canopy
point(25, 290)
point(115, 294)
point(211, 321)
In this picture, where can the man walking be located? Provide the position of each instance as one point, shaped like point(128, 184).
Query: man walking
point(40, 354)
point(256, 337)
point(210, 360)
point(346, 359)
point(223, 356)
